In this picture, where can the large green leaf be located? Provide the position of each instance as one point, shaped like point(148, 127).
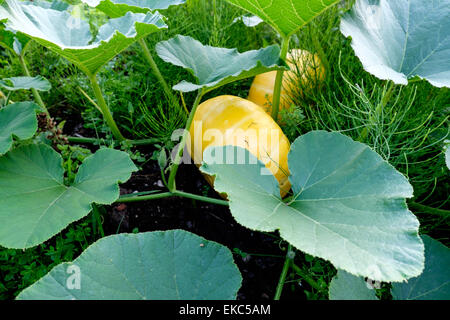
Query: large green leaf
point(34, 202)
point(434, 282)
point(402, 39)
point(345, 286)
point(348, 205)
point(71, 37)
point(51, 4)
point(168, 265)
point(285, 16)
point(214, 67)
point(19, 120)
point(26, 83)
point(117, 8)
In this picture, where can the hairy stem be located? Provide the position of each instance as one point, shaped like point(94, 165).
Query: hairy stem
point(179, 154)
point(98, 141)
point(306, 277)
point(279, 81)
point(36, 94)
point(319, 48)
point(286, 266)
point(104, 108)
point(420, 207)
point(97, 220)
point(157, 73)
point(176, 193)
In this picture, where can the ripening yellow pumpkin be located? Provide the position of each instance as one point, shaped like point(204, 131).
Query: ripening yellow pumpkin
point(230, 120)
point(309, 66)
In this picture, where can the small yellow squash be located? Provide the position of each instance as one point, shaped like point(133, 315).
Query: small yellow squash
point(230, 120)
point(300, 62)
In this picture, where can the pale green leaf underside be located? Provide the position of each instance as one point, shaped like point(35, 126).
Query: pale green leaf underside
point(170, 265)
point(19, 120)
point(34, 202)
point(345, 286)
point(399, 40)
point(249, 21)
point(71, 38)
point(51, 4)
point(26, 83)
point(117, 8)
point(434, 282)
point(349, 205)
point(285, 16)
point(214, 67)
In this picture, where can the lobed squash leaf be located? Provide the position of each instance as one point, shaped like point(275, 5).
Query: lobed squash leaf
point(434, 282)
point(71, 37)
point(214, 67)
point(345, 286)
point(17, 120)
point(348, 204)
point(402, 39)
point(169, 265)
point(117, 8)
point(285, 16)
point(25, 83)
point(34, 202)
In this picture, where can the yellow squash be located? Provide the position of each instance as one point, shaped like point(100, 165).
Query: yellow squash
point(300, 62)
point(230, 120)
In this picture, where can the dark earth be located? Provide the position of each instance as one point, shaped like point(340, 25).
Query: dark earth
point(213, 222)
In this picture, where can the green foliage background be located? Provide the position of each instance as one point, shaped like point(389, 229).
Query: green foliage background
point(409, 133)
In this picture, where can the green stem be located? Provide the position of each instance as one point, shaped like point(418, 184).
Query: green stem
point(387, 96)
point(163, 176)
point(36, 94)
point(176, 193)
point(96, 216)
point(200, 198)
point(287, 264)
point(319, 48)
point(130, 198)
point(144, 142)
point(306, 277)
point(279, 80)
point(98, 141)
point(84, 140)
point(177, 160)
point(157, 73)
point(427, 209)
point(105, 110)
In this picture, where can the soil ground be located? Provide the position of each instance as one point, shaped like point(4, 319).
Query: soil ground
point(213, 222)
